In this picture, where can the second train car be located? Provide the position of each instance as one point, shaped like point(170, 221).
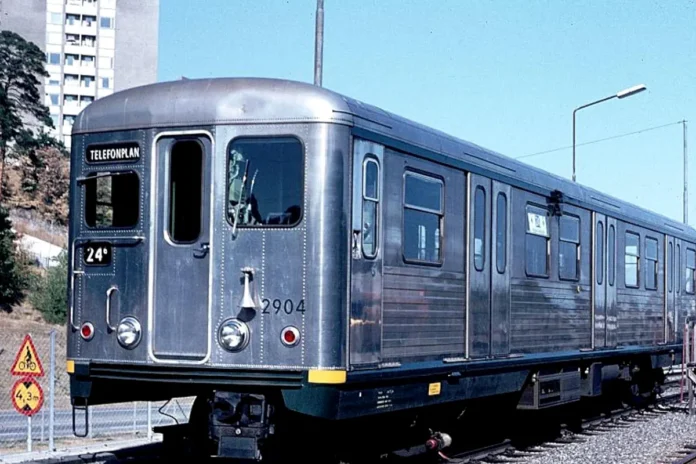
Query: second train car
point(299, 260)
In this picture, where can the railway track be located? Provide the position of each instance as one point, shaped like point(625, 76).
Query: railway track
point(685, 456)
point(622, 417)
point(511, 452)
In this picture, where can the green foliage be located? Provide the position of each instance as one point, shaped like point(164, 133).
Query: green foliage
point(49, 292)
point(22, 63)
point(14, 274)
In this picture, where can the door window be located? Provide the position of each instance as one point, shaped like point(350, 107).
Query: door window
point(185, 191)
point(599, 257)
point(501, 233)
point(479, 228)
point(370, 209)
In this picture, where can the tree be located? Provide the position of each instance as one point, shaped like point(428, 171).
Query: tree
point(21, 65)
point(13, 278)
point(41, 179)
point(48, 291)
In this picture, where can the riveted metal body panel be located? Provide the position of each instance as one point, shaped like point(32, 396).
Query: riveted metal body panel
point(103, 294)
point(548, 313)
point(180, 315)
point(365, 336)
point(424, 302)
point(501, 259)
point(670, 290)
point(479, 267)
point(610, 293)
point(293, 265)
point(646, 326)
point(599, 280)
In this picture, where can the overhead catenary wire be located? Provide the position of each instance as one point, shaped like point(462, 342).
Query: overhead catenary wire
point(647, 129)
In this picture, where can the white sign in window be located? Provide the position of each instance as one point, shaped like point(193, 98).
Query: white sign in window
point(536, 224)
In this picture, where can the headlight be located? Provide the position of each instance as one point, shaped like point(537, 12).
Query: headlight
point(233, 335)
point(129, 332)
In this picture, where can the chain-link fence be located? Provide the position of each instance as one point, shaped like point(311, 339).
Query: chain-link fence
point(51, 426)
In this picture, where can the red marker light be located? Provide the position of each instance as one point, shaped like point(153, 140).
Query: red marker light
point(87, 331)
point(290, 336)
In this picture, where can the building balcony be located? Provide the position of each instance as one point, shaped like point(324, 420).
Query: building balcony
point(78, 49)
point(80, 28)
point(80, 7)
point(71, 108)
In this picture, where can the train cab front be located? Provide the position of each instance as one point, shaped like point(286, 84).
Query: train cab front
point(206, 261)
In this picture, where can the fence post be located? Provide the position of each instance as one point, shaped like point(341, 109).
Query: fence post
point(149, 421)
point(51, 391)
point(28, 434)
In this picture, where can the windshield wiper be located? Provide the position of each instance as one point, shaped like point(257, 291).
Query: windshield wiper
point(236, 207)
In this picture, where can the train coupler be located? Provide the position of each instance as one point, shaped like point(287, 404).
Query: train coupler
point(240, 423)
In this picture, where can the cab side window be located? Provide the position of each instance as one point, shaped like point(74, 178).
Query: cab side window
point(370, 207)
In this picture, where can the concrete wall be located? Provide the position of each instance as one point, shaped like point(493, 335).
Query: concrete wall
point(137, 38)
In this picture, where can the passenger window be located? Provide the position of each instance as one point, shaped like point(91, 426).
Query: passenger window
point(599, 257)
point(479, 228)
point(569, 248)
point(370, 207)
point(611, 255)
point(185, 191)
point(690, 271)
point(651, 264)
point(265, 186)
point(501, 233)
point(670, 267)
point(632, 259)
point(112, 199)
point(536, 242)
point(423, 212)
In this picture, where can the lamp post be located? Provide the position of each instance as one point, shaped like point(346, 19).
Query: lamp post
point(686, 178)
point(623, 94)
point(319, 43)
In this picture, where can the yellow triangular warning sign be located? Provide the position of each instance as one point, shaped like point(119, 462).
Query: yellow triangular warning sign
point(27, 361)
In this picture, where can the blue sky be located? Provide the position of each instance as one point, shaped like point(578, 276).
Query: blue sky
point(503, 74)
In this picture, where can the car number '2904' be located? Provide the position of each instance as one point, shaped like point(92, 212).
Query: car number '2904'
point(288, 306)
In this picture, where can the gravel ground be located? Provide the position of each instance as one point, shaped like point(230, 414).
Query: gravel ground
point(647, 441)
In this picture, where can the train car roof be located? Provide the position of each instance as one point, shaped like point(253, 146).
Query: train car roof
point(214, 101)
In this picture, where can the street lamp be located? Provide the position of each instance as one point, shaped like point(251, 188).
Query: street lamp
point(623, 94)
point(319, 43)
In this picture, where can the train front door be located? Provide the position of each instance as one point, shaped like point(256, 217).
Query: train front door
point(180, 269)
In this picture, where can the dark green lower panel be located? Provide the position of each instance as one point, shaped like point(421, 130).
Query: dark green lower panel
point(341, 402)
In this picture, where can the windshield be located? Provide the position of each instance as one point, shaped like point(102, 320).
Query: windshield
point(265, 182)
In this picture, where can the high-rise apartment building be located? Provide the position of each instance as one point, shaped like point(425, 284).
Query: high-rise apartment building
point(93, 48)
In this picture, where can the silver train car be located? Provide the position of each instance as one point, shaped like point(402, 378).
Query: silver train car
point(299, 260)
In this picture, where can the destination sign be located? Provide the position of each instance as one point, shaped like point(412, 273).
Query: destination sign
point(126, 152)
